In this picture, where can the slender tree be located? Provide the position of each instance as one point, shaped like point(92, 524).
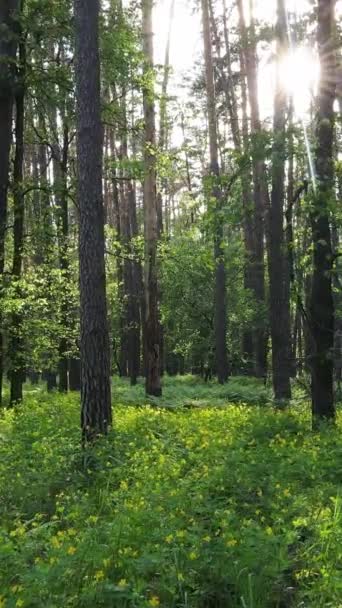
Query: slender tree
point(8, 45)
point(94, 346)
point(220, 271)
point(152, 333)
point(321, 301)
point(278, 269)
point(17, 370)
point(249, 64)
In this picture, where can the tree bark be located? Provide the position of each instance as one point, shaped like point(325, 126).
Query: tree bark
point(321, 301)
point(8, 47)
point(279, 302)
point(220, 271)
point(260, 194)
point(152, 334)
point(96, 413)
point(16, 346)
point(60, 168)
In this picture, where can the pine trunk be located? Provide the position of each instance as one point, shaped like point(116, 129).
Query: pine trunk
point(94, 344)
point(8, 46)
point(220, 270)
point(278, 269)
point(16, 346)
point(321, 301)
point(152, 334)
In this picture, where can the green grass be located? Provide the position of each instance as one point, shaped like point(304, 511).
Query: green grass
point(209, 507)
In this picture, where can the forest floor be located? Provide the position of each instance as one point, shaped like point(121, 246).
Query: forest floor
point(227, 505)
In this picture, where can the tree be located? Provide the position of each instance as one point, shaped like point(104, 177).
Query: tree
point(152, 331)
point(278, 269)
point(249, 63)
point(17, 371)
point(321, 311)
point(216, 195)
point(8, 46)
point(94, 342)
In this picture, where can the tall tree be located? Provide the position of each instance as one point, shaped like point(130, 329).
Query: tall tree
point(16, 340)
point(321, 301)
point(220, 271)
point(8, 45)
point(278, 268)
point(152, 331)
point(94, 343)
point(249, 63)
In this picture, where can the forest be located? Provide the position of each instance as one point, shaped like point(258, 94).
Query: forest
point(170, 303)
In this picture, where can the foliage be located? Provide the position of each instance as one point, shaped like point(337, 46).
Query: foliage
point(233, 506)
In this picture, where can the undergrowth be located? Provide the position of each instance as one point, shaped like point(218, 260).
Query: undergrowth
point(210, 507)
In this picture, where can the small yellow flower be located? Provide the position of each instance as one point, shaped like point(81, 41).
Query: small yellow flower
point(169, 538)
point(122, 583)
point(287, 492)
point(193, 555)
point(71, 551)
point(269, 531)
point(154, 601)
point(55, 542)
point(99, 576)
point(180, 533)
point(232, 542)
point(206, 539)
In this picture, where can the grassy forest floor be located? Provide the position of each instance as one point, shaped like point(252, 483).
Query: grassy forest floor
point(227, 505)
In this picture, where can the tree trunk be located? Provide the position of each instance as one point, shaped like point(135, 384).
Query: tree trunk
point(163, 144)
point(74, 374)
point(60, 167)
point(321, 301)
point(260, 195)
point(220, 271)
point(8, 46)
point(16, 346)
point(94, 344)
point(152, 337)
point(279, 302)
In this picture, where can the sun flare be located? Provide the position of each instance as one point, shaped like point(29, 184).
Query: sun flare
point(300, 74)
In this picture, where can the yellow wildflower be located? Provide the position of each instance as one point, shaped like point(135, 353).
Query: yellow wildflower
point(122, 583)
point(232, 542)
point(99, 576)
point(193, 555)
point(154, 601)
point(55, 542)
point(180, 533)
point(71, 551)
